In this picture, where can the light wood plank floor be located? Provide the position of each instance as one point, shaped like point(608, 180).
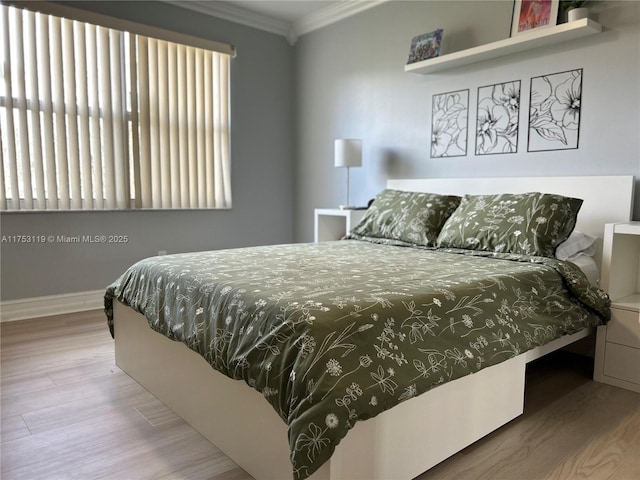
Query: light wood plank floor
point(69, 413)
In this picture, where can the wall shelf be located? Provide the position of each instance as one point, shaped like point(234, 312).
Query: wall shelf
point(525, 41)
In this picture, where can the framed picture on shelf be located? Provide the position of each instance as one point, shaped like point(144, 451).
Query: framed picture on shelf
point(533, 14)
point(425, 46)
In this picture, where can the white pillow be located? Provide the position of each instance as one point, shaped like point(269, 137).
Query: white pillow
point(580, 249)
point(588, 265)
point(577, 243)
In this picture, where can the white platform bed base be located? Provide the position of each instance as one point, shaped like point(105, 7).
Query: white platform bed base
point(397, 444)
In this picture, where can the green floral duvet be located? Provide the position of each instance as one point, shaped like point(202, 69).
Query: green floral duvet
point(337, 332)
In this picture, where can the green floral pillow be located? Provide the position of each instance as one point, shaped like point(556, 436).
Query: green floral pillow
point(526, 224)
point(405, 218)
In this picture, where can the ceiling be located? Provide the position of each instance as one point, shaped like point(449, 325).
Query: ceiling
point(290, 18)
point(287, 10)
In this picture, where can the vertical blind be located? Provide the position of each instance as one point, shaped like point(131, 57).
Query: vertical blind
point(96, 118)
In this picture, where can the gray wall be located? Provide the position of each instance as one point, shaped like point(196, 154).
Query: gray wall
point(262, 178)
point(351, 83)
point(345, 80)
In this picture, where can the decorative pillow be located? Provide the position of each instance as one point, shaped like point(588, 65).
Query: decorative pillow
point(409, 217)
point(526, 224)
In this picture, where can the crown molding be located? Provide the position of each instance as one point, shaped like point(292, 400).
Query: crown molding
point(332, 14)
point(228, 11)
point(292, 31)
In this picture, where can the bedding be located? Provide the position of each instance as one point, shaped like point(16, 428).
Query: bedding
point(578, 243)
point(337, 332)
point(525, 223)
point(588, 265)
point(397, 217)
point(580, 249)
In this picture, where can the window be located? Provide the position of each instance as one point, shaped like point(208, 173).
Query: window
point(94, 118)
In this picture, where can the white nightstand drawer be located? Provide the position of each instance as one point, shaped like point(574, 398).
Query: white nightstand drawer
point(622, 362)
point(624, 328)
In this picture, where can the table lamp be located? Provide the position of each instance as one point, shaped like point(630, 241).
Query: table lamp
point(348, 153)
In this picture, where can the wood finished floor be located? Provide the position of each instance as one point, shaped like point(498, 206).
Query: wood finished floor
point(69, 413)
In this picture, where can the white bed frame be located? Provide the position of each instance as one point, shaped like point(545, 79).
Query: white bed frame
point(397, 444)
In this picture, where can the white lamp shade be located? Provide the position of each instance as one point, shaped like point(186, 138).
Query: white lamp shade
point(348, 153)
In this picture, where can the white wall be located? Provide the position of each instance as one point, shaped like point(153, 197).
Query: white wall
point(351, 83)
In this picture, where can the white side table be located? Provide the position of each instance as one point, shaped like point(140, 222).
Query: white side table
point(333, 223)
point(618, 343)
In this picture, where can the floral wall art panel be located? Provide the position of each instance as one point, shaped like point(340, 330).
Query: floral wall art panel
point(497, 118)
point(554, 111)
point(449, 118)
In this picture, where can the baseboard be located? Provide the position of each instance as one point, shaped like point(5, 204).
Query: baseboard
point(11, 310)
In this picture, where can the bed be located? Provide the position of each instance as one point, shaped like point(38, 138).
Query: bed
point(275, 437)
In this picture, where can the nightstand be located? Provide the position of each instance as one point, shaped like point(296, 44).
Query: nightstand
point(333, 223)
point(618, 343)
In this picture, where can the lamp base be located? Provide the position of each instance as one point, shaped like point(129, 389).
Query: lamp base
point(347, 207)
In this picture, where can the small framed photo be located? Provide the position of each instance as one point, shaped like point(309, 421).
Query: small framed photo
point(425, 46)
point(533, 14)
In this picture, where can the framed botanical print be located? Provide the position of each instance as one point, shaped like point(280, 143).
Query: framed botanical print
point(498, 115)
point(554, 111)
point(449, 113)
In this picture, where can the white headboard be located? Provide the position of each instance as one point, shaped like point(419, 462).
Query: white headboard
point(607, 199)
